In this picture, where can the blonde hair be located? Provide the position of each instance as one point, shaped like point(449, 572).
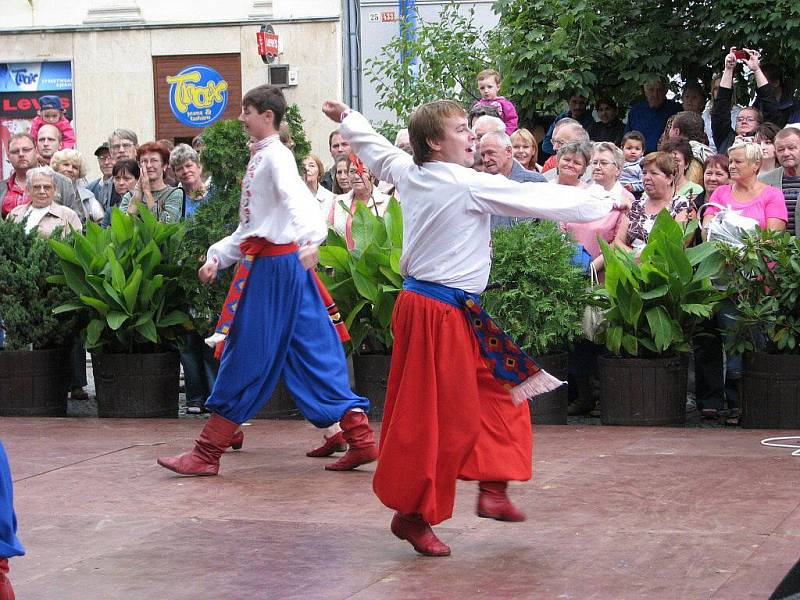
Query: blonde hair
point(486, 73)
point(752, 151)
point(69, 156)
point(527, 137)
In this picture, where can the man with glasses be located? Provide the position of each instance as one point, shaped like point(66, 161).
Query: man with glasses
point(123, 143)
point(23, 156)
point(103, 187)
point(749, 118)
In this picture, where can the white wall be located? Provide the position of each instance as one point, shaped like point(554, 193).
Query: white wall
point(113, 71)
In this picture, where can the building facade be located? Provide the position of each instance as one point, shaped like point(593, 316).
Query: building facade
point(164, 69)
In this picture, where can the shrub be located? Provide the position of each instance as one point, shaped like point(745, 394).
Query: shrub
point(541, 295)
point(27, 299)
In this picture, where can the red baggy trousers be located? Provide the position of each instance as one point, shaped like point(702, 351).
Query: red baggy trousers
point(446, 417)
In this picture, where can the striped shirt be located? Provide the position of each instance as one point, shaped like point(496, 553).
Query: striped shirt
point(791, 191)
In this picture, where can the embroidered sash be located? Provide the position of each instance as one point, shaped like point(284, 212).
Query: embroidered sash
point(509, 364)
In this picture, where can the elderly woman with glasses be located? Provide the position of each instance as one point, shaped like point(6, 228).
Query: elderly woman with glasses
point(70, 163)
point(363, 191)
point(185, 163)
point(164, 201)
point(43, 213)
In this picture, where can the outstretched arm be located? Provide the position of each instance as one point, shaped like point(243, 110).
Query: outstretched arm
point(384, 160)
point(500, 196)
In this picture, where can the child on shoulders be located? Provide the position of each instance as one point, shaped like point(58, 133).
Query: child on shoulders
point(489, 85)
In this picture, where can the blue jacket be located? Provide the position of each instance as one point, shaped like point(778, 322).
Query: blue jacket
point(651, 121)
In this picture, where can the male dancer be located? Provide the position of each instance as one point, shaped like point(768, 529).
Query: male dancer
point(447, 414)
point(277, 324)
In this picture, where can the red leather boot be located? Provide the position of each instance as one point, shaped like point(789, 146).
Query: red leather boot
point(203, 459)
point(332, 444)
point(419, 534)
point(6, 591)
point(237, 441)
point(360, 441)
point(493, 503)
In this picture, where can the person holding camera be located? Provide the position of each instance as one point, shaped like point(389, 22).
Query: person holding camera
point(749, 118)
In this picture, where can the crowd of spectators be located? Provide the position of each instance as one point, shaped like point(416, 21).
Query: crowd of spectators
point(679, 154)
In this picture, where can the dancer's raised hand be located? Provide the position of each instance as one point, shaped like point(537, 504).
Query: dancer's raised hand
point(333, 109)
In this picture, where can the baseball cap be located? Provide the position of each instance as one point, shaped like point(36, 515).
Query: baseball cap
point(50, 102)
point(102, 148)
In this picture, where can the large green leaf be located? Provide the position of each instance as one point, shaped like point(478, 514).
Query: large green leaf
point(336, 257)
point(367, 288)
point(393, 218)
point(70, 306)
point(395, 278)
point(121, 226)
point(657, 292)
point(64, 252)
point(132, 289)
point(660, 326)
point(116, 319)
point(176, 317)
point(98, 305)
point(93, 331)
point(148, 331)
point(699, 253)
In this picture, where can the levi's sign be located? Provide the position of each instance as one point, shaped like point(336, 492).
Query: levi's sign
point(198, 95)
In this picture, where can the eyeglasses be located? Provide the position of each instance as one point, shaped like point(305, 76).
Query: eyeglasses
point(560, 142)
point(746, 119)
point(125, 145)
point(601, 163)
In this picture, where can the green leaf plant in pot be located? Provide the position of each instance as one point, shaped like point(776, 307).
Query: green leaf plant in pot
point(124, 281)
point(538, 296)
point(364, 282)
point(764, 276)
point(653, 304)
point(34, 363)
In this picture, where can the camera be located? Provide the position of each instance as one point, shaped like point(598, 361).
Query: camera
point(741, 54)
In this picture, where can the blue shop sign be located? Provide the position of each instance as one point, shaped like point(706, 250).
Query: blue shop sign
point(35, 76)
point(198, 95)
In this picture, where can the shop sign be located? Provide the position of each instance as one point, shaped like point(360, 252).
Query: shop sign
point(267, 44)
point(198, 95)
point(35, 76)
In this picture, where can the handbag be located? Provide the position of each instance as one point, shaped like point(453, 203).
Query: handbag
point(592, 315)
point(729, 226)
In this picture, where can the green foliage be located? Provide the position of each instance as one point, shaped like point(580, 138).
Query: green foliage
point(225, 158)
point(302, 147)
point(542, 295)
point(225, 154)
point(765, 278)
point(125, 280)
point(546, 49)
point(365, 281)
point(441, 62)
point(27, 299)
point(654, 303)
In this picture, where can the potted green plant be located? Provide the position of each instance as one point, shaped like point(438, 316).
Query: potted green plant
point(765, 277)
point(538, 296)
point(34, 363)
point(124, 279)
point(364, 283)
point(653, 303)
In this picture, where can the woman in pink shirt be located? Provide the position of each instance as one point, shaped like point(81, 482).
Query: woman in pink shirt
point(746, 193)
point(756, 200)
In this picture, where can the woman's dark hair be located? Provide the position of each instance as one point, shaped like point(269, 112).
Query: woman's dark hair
point(678, 144)
point(716, 160)
point(126, 165)
point(335, 188)
point(768, 130)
